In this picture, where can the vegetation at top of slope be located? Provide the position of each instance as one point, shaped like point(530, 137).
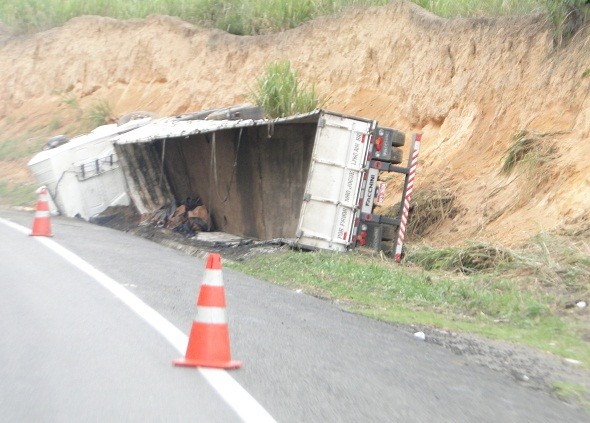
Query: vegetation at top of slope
point(253, 17)
point(235, 16)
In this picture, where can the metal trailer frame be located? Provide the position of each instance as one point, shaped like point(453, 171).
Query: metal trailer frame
point(401, 218)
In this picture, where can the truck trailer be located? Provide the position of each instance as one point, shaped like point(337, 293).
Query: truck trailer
point(311, 178)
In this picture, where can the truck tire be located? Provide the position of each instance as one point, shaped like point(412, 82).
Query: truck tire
point(246, 111)
point(396, 155)
point(387, 246)
point(398, 139)
point(197, 115)
point(135, 115)
point(55, 142)
point(389, 232)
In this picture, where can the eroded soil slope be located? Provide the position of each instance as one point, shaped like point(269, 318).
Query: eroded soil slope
point(469, 85)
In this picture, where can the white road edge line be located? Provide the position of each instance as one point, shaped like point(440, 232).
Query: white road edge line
point(245, 406)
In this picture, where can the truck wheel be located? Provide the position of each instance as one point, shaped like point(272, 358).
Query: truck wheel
point(398, 139)
point(245, 111)
point(135, 115)
point(55, 142)
point(387, 246)
point(396, 155)
point(389, 232)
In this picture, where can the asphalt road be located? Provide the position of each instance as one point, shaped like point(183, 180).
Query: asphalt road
point(70, 350)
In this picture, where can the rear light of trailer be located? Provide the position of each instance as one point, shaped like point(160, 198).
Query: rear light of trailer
point(379, 143)
point(362, 237)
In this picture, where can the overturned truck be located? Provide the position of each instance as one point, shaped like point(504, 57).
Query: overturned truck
point(310, 177)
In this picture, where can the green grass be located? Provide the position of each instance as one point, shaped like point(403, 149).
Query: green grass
point(19, 195)
point(370, 282)
point(556, 9)
point(235, 16)
point(20, 147)
point(280, 92)
point(559, 262)
point(509, 300)
point(431, 207)
point(70, 100)
point(567, 17)
point(572, 391)
point(265, 16)
point(100, 113)
point(528, 150)
point(54, 124)
point(518, 151)
point(476, 257)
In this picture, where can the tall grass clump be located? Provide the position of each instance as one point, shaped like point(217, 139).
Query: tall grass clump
point(477, 257)
point(280, 92)
point(430, 209)
point(100, 113)
point(528, 149)
point(560, 263)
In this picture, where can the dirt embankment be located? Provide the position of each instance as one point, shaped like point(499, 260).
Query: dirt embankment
point(468, 85)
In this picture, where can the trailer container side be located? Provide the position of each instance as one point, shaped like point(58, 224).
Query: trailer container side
point(308, 177)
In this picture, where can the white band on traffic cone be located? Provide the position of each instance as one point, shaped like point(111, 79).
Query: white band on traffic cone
point(212, 315)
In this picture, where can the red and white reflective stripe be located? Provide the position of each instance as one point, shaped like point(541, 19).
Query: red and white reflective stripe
point(211, 315)
point(43, 201)
point(409, 189)
point(213, 277)
point(42, 208)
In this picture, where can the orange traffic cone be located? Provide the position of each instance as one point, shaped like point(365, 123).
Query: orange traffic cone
point(208, 343)
point(41, 223)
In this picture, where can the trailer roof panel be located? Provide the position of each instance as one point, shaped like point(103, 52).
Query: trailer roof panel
point(179, 127)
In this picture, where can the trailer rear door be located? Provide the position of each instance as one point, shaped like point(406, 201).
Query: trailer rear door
point(330, 205)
